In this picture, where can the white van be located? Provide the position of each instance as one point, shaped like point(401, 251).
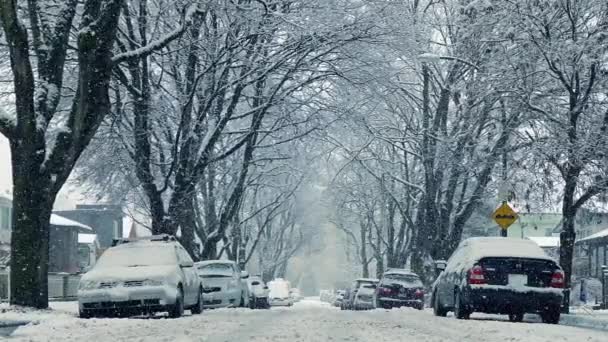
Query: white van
point(279, 292)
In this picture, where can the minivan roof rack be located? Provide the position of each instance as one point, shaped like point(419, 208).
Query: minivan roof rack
point(160, 237)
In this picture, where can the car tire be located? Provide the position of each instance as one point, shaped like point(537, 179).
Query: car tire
point(438, 309)
point(551, 315)
point(516, 317)
point(460, 308)
point(85, 314)
point(420, 306)
point(197, 309)
point(177, 310)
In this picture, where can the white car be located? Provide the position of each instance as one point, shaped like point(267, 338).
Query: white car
point(279, 292)
point(258, 293)
point(295, 295)
point(223, 284)
point(365, 297)
point(139, 276)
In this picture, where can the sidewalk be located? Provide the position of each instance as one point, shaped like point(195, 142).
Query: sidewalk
point(586, 318)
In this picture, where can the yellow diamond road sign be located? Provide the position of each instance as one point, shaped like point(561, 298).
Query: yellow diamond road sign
point(505, 216)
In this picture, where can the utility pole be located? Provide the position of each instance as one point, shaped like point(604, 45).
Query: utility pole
point(505, 192)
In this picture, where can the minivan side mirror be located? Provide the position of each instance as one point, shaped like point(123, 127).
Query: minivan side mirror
point(440, 265)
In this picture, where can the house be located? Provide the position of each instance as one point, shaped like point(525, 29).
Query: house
point(535, 224)
point(63, 239)
point(591, 253)
point(105, 219)
point(549, 244)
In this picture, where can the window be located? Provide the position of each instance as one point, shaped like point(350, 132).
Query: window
point(5, 218)
point(116, 231)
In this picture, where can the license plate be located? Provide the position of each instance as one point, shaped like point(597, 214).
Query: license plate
point(518, 279)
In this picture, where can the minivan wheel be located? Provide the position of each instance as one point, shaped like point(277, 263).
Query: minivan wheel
point(178, 308)
point(197, 309)
point(85, 314)
point(551, 315)
point(438, 310)
point(516, 317)
point(460, 309)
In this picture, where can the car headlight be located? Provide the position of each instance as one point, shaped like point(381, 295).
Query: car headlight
point(153, 282)
point(88, 285)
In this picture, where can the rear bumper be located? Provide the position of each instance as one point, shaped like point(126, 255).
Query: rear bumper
point(504, 300)
point(401, 301)
point(280, 302)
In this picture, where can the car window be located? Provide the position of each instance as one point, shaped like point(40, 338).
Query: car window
point(409, 279)
point(217, 268)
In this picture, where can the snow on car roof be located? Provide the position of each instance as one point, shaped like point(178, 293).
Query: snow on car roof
point(400, 271)
point(211, 262)
point(368, 280)
point(473, 249)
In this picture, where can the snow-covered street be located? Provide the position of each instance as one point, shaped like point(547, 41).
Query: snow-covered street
point(308, 320)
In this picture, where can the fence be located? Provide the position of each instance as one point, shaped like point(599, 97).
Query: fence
point(62, 286)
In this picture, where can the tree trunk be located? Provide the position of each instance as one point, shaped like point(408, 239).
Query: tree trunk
point(32, 205)
point(363, 252)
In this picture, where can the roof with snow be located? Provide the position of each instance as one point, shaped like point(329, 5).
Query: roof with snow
point(598, 237)
point(61, 221)
point(545, 241)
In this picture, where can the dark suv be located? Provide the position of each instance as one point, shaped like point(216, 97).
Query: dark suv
point(499, 276)
point(400, 288)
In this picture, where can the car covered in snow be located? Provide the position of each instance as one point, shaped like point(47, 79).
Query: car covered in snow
point(279, 292)
point(499, 275)
point(144, 275)
point(400, 287)
point(360, 295)
point(339, 298)
point(295, 295)
point(258, 293)
point(224, 284)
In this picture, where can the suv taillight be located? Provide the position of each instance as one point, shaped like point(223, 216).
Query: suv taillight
point(385, 291)
point(557, 279)
point(476, 275)
point(419, 293)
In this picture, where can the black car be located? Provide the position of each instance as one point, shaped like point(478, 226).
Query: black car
point(399, 288)
point(499, 276)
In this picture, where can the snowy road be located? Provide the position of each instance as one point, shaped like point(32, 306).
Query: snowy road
point(307, 321)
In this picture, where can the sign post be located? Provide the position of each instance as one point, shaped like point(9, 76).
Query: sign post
point(504, 216)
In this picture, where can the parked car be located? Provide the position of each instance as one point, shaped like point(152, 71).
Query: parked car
point(339, 298)
point(258, 293)
point(499, 276)
point(365, 297)
point(223, 284)
point(279, 292)
point(295, 295)
point(326, 296)
point(399, 288)
point(137, 276)
point(348, 303)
